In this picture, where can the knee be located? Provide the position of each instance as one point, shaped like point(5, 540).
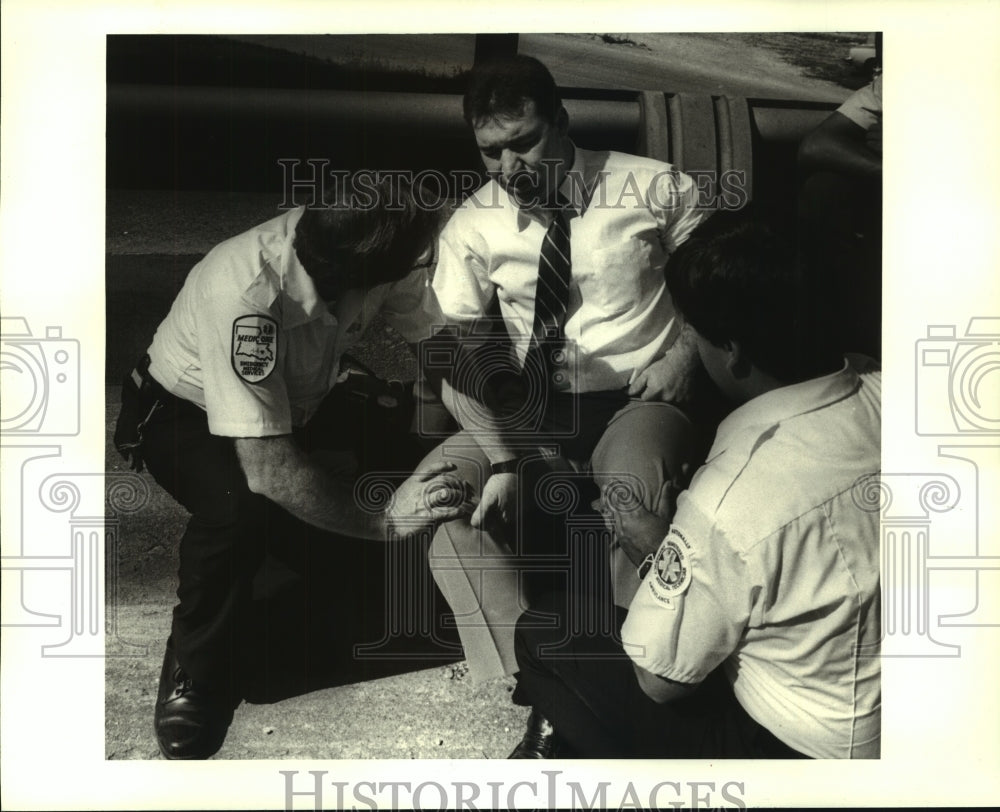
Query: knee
point(233, 506)
point(647, 447)
point(462, 451)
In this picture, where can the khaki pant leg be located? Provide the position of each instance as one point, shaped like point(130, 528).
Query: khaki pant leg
point(646, 444)
point(477, 573)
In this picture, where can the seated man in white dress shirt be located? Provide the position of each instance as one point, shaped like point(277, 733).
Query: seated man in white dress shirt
point(569, 245)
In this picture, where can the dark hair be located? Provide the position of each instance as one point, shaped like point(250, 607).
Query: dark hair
point(370, 229)
point(736, 279)
point(500, 87)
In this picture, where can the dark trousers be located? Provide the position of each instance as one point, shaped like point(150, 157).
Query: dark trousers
point(224, 543)
point(233, 535)
point(586, 686)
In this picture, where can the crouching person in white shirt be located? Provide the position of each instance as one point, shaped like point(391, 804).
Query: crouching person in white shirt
point(755, 630)
point(230, 412)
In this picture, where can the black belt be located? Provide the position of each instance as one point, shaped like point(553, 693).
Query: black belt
point(152, 393)
point(146, 384)
point(141, 398)
point(141, 378)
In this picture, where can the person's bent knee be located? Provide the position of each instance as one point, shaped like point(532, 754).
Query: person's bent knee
point(645, 447)
point(461, 450)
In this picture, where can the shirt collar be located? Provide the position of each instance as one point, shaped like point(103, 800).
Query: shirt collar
point(572, 190)
point(282, 277)
point(568, 189)
point(768, 410)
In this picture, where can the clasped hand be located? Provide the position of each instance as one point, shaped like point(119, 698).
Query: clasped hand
point(430, 496)
point(639, 530)
point(498, 502)
point(670, 379)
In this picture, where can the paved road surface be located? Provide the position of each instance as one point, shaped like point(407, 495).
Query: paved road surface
point(730, 64)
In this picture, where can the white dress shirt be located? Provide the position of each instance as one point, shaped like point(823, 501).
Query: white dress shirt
point(630, 214)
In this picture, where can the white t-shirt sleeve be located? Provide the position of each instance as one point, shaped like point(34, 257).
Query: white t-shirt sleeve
point(692, 607)
point(251, 403)
point(461, 280)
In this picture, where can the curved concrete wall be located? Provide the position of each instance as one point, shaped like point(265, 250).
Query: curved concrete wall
point(183, 137)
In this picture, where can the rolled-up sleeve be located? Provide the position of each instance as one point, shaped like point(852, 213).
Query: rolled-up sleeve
point(864, 106)
point(673, 200)
point(461, 279)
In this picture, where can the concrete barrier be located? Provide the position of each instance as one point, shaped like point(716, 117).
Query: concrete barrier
point(165, 136)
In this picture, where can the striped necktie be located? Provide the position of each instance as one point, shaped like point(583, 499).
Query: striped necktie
point(547, 352)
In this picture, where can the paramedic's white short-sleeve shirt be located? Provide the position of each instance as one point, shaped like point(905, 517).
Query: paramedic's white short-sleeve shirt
point(771, 568)
point(248, 339)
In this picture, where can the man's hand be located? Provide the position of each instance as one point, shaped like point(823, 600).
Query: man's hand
point(498, 502)
point(279, 470)
point(640, 531)
point(430, 496)
point(672, 378)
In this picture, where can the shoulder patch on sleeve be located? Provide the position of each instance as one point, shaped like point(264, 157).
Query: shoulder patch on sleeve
point(255, 347)
point(671, 570)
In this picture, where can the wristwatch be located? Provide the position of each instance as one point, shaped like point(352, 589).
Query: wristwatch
point(506, 467)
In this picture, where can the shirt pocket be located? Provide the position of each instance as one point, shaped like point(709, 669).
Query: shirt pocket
point(618, 278)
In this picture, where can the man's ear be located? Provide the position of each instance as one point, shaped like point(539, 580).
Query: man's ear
point(738, 364)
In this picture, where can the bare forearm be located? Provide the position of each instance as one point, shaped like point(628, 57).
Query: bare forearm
point(686, 348)
point(848, 158)
point(839, 145)
point(281, 472)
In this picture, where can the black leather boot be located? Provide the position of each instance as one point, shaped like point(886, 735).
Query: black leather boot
point(540, 739)
point(191, 721)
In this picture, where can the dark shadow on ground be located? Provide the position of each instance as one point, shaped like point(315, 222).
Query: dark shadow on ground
point(354, 611)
